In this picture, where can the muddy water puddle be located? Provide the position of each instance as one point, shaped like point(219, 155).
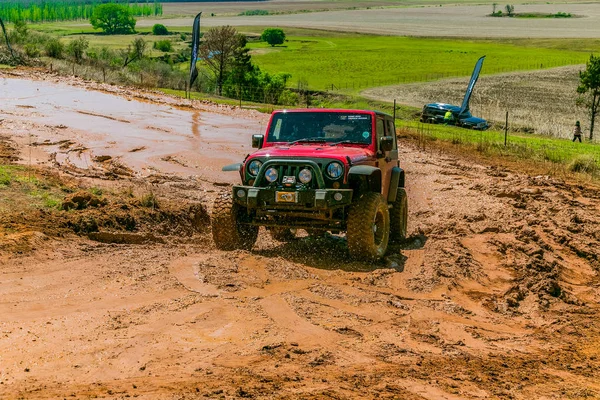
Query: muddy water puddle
point(85, 128)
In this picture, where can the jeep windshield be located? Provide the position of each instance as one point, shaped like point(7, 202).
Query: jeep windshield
point(320, 127)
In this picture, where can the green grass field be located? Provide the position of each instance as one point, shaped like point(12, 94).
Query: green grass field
point(353, 62)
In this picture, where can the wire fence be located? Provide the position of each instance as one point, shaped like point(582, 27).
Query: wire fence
point(554, 157)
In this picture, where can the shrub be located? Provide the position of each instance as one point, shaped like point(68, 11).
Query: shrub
point(288, 98)
point(163, 45)
point(149, 200)
point(254, 12)
point(32, 50)
point(76, 49)
point(561, 15)
point(585, 163)
point(159, 30)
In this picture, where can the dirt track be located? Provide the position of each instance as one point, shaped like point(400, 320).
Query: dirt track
point(495, 295)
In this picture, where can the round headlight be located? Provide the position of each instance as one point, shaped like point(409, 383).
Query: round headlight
point(271, 174)
point(254, 167)
point(305, 175)
point(335, 170)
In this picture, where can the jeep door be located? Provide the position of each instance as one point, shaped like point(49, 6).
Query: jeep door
point(386, 160)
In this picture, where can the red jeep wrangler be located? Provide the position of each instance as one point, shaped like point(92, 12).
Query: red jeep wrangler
point(319, 170)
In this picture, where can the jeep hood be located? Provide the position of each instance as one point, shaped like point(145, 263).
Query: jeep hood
point(312, 151)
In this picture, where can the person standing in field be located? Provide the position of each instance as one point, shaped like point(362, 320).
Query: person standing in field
point(577, 132)
point(448, 117)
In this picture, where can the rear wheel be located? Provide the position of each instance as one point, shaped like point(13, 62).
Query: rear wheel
point(399, 217)
point(368, 229)
point(229, 233)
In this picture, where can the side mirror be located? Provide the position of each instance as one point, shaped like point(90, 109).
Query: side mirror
point(257, 141)
point(386, 143)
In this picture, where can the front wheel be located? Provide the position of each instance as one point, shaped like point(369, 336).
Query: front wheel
point(368, 229)
point(228, 231)
point(399, 217)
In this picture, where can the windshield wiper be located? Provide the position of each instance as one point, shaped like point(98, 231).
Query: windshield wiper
point(308, 140)
point(347, 141)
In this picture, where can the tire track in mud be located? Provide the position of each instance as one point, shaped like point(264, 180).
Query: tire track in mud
point(495, 294)
point(476, 312)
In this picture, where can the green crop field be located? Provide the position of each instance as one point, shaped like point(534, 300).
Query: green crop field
point(353, 62)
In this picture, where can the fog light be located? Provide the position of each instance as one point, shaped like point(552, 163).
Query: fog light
point(241, 193)
point(338, 196)
point(336, 185)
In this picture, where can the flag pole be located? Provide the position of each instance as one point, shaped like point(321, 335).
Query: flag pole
point(194, 56)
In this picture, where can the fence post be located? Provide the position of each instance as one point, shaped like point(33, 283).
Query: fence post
point(104, 74)
point(506, 130)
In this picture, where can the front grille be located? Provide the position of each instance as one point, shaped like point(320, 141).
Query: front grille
point(294, 170)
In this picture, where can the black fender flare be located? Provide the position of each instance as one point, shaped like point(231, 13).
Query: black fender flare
point(372, 175)
point(396, 181)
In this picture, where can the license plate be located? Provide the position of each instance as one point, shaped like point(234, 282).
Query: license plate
point(286, 197)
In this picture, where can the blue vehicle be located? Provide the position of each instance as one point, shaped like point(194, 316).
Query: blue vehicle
point(434, 113)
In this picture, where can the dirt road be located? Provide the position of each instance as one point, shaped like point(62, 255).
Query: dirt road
point(494, 295)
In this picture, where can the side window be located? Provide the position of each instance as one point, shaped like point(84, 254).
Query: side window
point(380, 129)
point(390, 131)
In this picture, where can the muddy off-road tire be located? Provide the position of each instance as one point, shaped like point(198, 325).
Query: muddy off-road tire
point(228, 233)
point(368, 229)
point(282, 234)
point(399, 217)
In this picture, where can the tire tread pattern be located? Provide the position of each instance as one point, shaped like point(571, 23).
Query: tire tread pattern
point(361, 241)
point(227, 233)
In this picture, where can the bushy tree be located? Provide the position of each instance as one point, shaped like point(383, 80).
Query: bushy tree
point(218, 50)
point(589, 86)
point(159, 30)
point(273, 36)
point(139, 48)
point(76, 49)
point(510, 9)
point(246, 81)
point(113, 18)
point(20, 32)
point(54, 48)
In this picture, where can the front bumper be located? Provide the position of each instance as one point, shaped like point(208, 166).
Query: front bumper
point(309, 200)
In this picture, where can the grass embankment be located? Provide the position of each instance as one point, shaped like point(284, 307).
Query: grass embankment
point(550, 155)
point(19, 186)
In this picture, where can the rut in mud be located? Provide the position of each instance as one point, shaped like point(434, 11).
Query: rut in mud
point(494, 295)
